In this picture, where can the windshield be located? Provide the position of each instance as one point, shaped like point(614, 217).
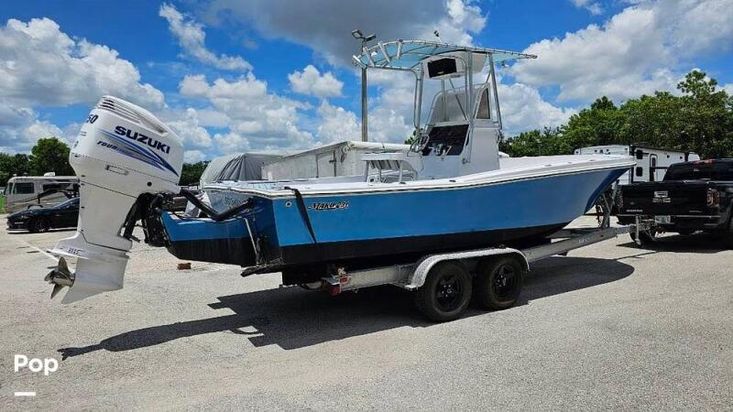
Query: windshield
point(69, 203)
point(701, 171)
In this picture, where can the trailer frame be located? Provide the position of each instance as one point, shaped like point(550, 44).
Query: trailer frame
point(413, 276)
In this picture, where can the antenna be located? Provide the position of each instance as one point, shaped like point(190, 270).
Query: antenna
point(358, 35)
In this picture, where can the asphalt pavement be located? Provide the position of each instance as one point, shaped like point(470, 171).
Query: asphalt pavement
point(611, 326)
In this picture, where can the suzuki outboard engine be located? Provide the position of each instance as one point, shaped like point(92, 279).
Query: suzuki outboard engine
point(122, 152)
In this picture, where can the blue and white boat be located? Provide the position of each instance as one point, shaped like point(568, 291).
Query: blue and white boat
point(451, 191)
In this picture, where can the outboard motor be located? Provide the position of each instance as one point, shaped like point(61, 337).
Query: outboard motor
point(122, 152)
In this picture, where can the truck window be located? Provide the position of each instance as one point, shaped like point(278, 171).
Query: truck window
point(701, 171)
point(23, 188)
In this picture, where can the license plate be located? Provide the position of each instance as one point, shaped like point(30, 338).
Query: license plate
point(662, 219)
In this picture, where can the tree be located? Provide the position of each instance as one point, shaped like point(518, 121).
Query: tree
point(50, 155)
point(707, 115)
point(654, 120)
point(536, 143)
point(593, 126)
point(13, 165)
point(700, 120)
point(191, 173)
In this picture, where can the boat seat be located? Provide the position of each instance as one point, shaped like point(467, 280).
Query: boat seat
point(453, 136)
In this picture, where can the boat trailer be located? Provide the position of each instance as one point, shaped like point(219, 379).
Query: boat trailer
point(445, 282)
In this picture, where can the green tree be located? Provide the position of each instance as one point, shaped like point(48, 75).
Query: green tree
point(653, 120)
point(596, 125)
point(536, 143)
point(700, 120)
point(707, 115)
point(13, 165)
point(50, 155)
point(191, 173)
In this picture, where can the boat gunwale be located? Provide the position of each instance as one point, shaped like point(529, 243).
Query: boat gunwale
point(443, 184)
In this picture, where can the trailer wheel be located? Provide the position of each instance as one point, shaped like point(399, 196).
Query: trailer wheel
point(499, 282)
point(446, 292)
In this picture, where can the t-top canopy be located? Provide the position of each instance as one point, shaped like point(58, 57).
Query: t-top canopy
point(408, 54)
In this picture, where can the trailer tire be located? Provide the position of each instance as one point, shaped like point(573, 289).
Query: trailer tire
point(446, 292)
point(499, 282)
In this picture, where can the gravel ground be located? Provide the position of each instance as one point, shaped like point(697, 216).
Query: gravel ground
point(611, 326)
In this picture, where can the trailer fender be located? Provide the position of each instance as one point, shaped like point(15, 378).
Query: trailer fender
point(423, 266)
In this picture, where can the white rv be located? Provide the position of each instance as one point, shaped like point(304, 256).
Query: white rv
point(651, 163)
point(23, 192)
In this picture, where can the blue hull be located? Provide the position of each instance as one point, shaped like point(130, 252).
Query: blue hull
point(318, 229)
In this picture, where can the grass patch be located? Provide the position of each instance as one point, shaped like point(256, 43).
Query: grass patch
point(2, 204)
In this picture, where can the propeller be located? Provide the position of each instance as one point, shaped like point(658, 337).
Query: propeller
point(60, 277)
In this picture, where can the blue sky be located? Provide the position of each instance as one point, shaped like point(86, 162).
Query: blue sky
point(253, 75)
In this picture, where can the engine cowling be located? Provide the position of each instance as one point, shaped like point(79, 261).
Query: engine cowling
point(122, 152)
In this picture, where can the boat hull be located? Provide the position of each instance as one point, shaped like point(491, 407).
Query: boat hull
point(298, 231)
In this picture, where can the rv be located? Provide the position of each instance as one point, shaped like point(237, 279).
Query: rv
point(651, 163)
point(23, 192)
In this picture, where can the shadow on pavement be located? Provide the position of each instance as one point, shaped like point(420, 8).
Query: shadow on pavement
point(294, 318)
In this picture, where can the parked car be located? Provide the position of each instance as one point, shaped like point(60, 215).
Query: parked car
point(41, 219)
point(693, 196)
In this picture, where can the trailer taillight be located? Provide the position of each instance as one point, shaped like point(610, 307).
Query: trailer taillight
point(713, 198)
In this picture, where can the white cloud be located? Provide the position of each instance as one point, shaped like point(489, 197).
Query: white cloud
point(639, 50)
point(40, 65)
point(463, 19)
point(187, 126)
point(337, 124)
point(593, 7)
point(523, 108)
point(728, 88)
point(303, 22)
point(311, 82)
point(193, 156)
point(191, 37)
point(231, 142)
point(389, 125)
point(21, 128)
point(258, 119)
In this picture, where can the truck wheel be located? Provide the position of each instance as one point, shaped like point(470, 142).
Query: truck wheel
point(729, 235)
point(499, 282)
point(446, 292)
point(645, 236)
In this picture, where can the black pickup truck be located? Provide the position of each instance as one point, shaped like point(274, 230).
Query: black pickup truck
point(692, 196)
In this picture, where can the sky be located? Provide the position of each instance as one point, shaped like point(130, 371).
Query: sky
point(232, 76)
